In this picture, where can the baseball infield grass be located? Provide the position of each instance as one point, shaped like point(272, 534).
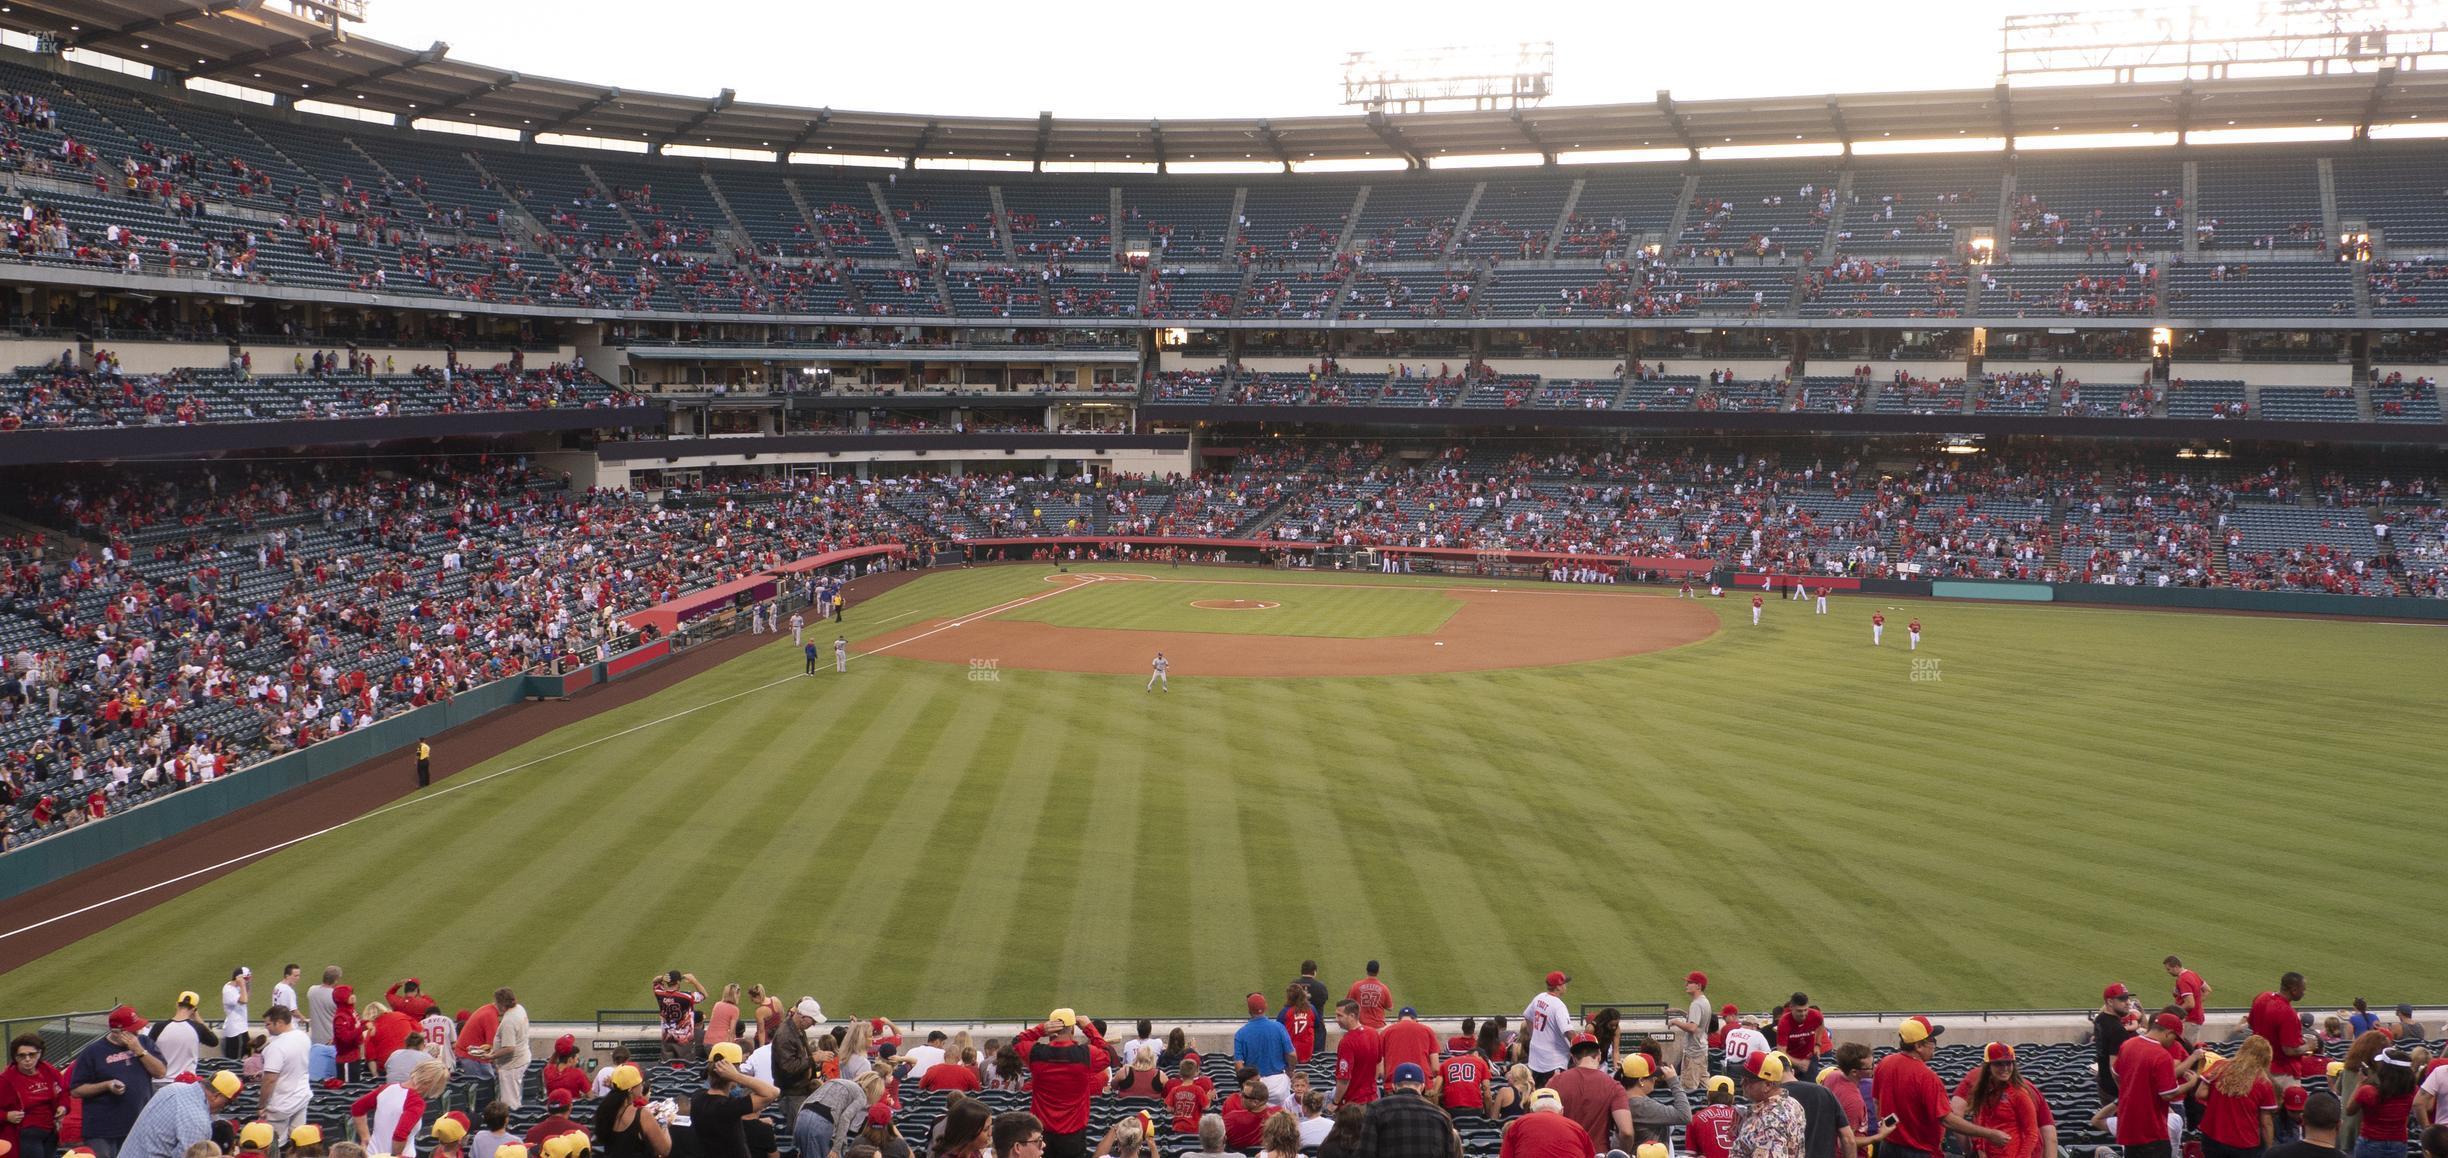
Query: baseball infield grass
point(2041, 800)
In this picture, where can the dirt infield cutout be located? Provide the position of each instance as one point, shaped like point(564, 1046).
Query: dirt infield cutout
point(1493, 629)
point(1234, 604)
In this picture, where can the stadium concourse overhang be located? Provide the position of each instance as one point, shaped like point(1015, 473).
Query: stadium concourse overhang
point(263, 47)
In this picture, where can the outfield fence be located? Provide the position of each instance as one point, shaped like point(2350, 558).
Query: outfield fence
point(62, 1034)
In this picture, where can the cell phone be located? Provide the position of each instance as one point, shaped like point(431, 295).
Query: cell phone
point(1888, 1122)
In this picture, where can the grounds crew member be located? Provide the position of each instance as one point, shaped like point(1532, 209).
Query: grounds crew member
point(424, 763)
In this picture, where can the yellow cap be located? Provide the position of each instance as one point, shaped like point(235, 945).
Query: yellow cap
point(447, 1130)
point(1653, 1150)
point(1543, 1095)
point(2210, 1061)
point(1830, 1076)
point(724, 1051)
point(626, 1077)
point(227, 1084)
point(188, 998)
point(1637, 1066)
point(565, 1145)
point(306, 1136)
point(1063, 1016)
point(510, 1150)
point(1767, 1067)
point(256, 1136)
point(1915, 1030)
point(2336, 1068)
point(1720, 1082)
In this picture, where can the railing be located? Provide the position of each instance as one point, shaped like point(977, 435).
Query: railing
point(63, 1034)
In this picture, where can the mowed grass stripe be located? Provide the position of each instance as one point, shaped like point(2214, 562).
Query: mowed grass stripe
point(2076, 795)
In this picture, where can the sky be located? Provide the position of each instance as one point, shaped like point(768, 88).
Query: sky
point(1279, 58)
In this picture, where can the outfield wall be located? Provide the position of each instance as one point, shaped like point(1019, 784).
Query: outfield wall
point(2159, 598)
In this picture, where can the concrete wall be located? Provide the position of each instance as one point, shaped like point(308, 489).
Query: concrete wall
point(2269, 373)
point(160, 357)
point(1883, 371)
point(1745, 369)
point(1145, 462)
point(2412, 370)
point(582, 467)
point(2096, 373)
point(1557, 367)
point(1177, 361)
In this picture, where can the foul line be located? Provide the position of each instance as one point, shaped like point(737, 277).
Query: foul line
point(447, 789)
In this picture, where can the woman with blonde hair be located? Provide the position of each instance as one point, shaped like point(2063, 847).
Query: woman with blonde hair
point(856, 1039)
point(1279, 1137)
point(2240, 1104)
point(767, 1009)
point(1511, 1098)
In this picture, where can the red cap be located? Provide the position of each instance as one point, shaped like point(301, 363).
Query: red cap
point(1997, 1051)
point(880, 1114)
point(1728, 1011)
point(567, 1045)
point(1257, 1003)
point(1696, 977)
point(2294, 1098)
point(1578, 1040)
point(560, 1098)
point(461, 1118)
point(2169, 1022)
point(125, 1017)
point(1556, 978)
point(188, 1079)
point(2115, 989)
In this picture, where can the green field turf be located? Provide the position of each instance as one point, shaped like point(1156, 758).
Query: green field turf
point(1316, 609)
point(2061, 798)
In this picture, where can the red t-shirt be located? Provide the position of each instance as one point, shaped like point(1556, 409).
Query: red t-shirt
point(1711, 1132)
point(2273, 1019)
point(1466, 1076)
point(1302, 1025)
point(1243, 1125)
point(2235, 1120)
point(1186, 1100)
point(948, 1076)
point(1878, 621)
point(1413, 1042)
point(2383, 1120)
point(1848, 1095)
point(1905, 1086)
point(1374, 999)
point(38, 1095)
point(1913, 627)
point(1543, 1135)
point(577, 1081)
point(2145, 1076)
point(1591, 1097)
point(1799, 1036)
point(2189, 982)
point(1356, 1058)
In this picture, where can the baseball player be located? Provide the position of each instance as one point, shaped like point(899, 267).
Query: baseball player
point(1914, 628)
point(841, 653)
point(1156, 674)
point(1684, 592)
point(799, 624)
point(1878, 626)
point(1823, 592)
point(1756, 604)
point(810, 649)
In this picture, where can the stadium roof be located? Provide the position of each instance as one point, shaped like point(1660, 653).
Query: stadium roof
point(246, 43)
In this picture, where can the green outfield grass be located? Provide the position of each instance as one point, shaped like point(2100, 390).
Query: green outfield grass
point(2050, 799)
point(1313, 609)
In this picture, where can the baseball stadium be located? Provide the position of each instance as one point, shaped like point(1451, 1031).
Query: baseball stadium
point(602, 619)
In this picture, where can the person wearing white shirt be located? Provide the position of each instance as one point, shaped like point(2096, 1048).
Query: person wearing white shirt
point(287, 1053)
point(511, 1052)
point(925, 1057)
point(181, 1040)
point(1147, 1042)
point(234, 1012)
point(284, 991)
point(1741, 1042)
point(1546, 1025)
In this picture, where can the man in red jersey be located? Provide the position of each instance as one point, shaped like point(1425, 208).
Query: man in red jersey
point(1461, 1081)
point(1903, 1085)
point(1358, 1055)
point(1913, 630)
point(1545, 1132)
point(1798, 1028)
point(2273, 1019)
point(2192, 993)
point(2148, 1084)
point(1063, 1070)
point(1878, 626)
point(1756, 604)
point(1186, 1099)
point(1373, 998)
point(1409, 1040)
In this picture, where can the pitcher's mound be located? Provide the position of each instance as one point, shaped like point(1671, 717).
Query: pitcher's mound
point(1233, 604)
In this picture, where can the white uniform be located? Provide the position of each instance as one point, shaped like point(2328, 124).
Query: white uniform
point(1755, 612)
point(1156, 674)
point(1916, 639)
point(1822, 605)
point(798, 624)
point(841, 654)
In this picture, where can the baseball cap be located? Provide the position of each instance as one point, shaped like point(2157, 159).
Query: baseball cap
point(188, 998)
point(725, 1051)
point(1409, 1072)
point(227, 1083)
point(2336, 1068)
point(1579, 1040)
point(243, 971)
point(1407, 1011)
point(1767, 1067)
point(256, 1136)
point(563, 1145)
point(509, 1150)
point(2294, 1098)
point(1637, 1066)
point(560, 1098)
point(1653, 1150)
point(880, 1114)
point(1915, 1030)
point(808, 1009)
point(1547, 1097)
point(626, 1077)
point(2404, 1010)
point(1728, 1010)
point(568, 1043)
point(1718, 1082)
point(1063, 1016)
point(451, 1127)
point(2169, 1022)
point(1696, 977)
point(1558, 977)
point(1256, 1002)
point(1997, 1051)
point(1830, 1076)
point(2115, 989)
point(125, 1017)
point(308, 1135)
point(2211, 1061)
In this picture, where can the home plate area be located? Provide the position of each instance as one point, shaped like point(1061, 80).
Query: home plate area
point(1488, 630)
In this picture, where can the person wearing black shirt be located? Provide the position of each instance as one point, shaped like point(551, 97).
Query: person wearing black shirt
point(2109, 1034)
point(1317, 1001)
point(730, 1098)
point(2321, 1116)
point(1823, 1118)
